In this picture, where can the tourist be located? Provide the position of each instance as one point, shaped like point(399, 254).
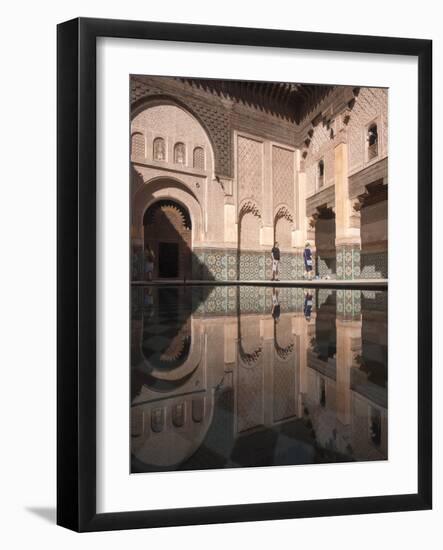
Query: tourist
point(307, 307)
point(275, 261)
point(307, 257)
point(275, 306)
point(149, 262)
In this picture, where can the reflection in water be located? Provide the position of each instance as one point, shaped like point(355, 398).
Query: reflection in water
point(225, 377)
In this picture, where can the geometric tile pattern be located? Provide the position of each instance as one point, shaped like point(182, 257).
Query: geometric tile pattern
point(219, 264)
point(375, 301)
point(227, 300)
point(223, 264)
point(252, 266)
point(326, 265)
point(138, 145)
point(323, 295)
point(348, 261)
point(374, 265)
point(348, 304)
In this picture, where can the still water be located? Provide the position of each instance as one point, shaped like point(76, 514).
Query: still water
point(228, 377)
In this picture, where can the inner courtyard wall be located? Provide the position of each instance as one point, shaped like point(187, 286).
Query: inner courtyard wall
point(259, 180)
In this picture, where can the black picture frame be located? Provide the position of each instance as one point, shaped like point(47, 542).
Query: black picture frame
point(76, 264)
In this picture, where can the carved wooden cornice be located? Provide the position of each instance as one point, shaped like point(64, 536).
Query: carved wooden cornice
point(322, 212)
point(375, 172)
point(374, 192)
point(324, 198)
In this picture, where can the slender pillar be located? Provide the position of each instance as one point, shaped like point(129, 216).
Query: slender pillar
point(348, 340)
point(267, 335)
point(231, 227)
point(267, 214)
point(300, 331)
point(347, 236)
point(299, 235)
point(230, 341)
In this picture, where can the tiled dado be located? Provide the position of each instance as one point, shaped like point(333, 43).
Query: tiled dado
point(348, 262)
point(374, 265)
point(229, 300)
point(348, 304)
point(326, 265)
point(354, 263)
point(225, 264)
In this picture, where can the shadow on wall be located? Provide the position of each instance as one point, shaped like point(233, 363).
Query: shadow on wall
point(374, 232)
point(325, 243)
point(167, 252)
point(325, 328)
point(374, 357)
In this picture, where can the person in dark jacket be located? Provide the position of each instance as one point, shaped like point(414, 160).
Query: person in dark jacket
point(275, 261)
point(149, 262)
point(307, 306)
point(275, 306)
point(307, 257)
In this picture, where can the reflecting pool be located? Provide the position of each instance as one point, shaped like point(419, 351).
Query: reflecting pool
point(228, 377)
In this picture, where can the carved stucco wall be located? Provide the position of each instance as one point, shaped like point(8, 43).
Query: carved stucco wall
point(321, 147)
point(138, 145)
point(249, 170)
point(253, 154)
point(219, 115)
point(174, 125)
point(215, 119)
point(283, 177)
point(371, 105)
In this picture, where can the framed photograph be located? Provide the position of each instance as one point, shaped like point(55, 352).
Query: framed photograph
point(244, 274)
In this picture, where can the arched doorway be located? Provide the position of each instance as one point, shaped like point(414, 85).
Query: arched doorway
point(168, 232)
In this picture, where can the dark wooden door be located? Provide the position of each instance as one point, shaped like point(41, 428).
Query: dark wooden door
point(168, 260)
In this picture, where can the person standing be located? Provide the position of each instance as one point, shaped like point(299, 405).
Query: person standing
point(275, 261)
point(275, 306)
point(149, 262)
point(307, 307)
point(307, 257)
